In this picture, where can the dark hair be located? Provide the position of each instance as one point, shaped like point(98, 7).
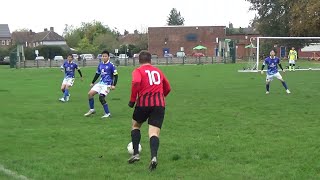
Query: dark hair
point(105, 52)
point(69, 55)
point(144, 57)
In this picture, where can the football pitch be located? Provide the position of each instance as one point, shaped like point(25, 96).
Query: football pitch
point(219, 124)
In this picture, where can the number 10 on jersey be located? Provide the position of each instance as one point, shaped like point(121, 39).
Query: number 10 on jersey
point(154, 77)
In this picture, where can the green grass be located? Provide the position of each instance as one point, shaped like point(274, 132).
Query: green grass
point(219, 124)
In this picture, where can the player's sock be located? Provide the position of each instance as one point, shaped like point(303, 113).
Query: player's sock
point(66, 93)
point(106, 108)
point(284, 85)
point(268, 87)
point(135, 138)
point(154, 146)
point(91, 103)
point(293, 66)
point(290, 67)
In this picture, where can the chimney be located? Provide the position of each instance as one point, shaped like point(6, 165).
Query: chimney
point(45, 29)
point(52, 29)
point(30, 32)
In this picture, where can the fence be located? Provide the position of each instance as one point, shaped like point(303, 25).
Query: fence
point(123, 62)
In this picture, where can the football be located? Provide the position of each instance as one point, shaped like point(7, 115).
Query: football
point(130, 148)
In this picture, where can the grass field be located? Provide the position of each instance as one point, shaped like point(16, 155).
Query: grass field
point(219, 125)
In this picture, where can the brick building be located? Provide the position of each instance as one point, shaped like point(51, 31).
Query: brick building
point(175, 38)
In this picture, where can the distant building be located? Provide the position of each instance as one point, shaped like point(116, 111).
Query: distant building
point(172, 39)
point(5, 36)
point(32, 39)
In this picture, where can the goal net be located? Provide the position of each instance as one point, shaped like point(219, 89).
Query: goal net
point(308, 56)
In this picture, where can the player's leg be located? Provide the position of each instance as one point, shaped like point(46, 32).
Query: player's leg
point(293, 65)
point(290, 66)
point(63, 86)
point(69, 84)
point(284, 84)
point(269, 78)
point(94, 90)
point(102, 98)
point(139, 116)
point(155, 123)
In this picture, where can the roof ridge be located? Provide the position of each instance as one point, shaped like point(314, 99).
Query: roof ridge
point(46, 35)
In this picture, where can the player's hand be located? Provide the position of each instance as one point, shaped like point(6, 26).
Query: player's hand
point(131, 104)
point(91, 85)
point(112, 87)
point(262, 72)
point(283, 71)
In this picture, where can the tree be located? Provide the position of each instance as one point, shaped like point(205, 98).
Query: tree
point(106, 42)
point(85, 46)
point(90, 35)
point(22, 30)
point(286, 18)
point(305, 18)
point(126, 32)
point(175, 18)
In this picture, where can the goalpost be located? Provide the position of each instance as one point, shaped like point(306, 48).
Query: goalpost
point(258, 50)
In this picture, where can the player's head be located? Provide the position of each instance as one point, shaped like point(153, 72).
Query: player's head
point(144, 57)
point(292, 48)
point(70, 57)
point(105, 56)
point(272, 53)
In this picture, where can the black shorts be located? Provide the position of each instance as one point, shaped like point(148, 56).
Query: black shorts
point(154, 115)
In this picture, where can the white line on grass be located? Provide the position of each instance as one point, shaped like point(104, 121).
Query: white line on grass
point(10, 173)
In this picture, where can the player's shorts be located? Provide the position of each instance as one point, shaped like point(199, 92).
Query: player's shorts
point(101, 89)
point(154, 115)
point(292, 62)
point(276, 75)
point(68, 81)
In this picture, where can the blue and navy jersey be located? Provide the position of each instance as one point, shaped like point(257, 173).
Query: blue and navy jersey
point(69, 69)
point(272, 65)
point(106, 71)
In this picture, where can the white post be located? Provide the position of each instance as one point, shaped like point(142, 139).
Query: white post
point(258, 51)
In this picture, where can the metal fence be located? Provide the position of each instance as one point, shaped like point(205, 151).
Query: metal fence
point(123, 62)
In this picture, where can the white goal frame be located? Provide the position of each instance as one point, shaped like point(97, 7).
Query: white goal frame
point(258, 48)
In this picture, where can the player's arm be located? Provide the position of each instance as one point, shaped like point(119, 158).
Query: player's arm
point(166, 86)
point(115, 78)
point(62, 68)
point(135, 87)
point(280, 66)
point(96, 76)
point(263, 65)
point(79, 71)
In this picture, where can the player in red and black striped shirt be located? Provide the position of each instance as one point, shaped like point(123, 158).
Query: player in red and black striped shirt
point(148, 92)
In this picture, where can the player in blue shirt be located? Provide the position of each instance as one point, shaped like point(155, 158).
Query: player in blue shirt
point(108, 81)
point(68, 68)
point(272, 63)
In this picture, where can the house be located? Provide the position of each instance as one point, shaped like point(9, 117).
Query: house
point(32, 39)
point(172, 39)
point(5, 35)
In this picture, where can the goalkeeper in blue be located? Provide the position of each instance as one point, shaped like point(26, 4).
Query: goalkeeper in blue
point(68, 68)
point(272, 62)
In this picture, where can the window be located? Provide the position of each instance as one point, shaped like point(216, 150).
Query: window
point(8, 42)
point(191, 37)
point(3, 42)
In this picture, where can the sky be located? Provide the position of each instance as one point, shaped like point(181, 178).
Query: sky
point(122, 14)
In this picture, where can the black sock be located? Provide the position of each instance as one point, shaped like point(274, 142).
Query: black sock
point(135, 138)
point(154, 146)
